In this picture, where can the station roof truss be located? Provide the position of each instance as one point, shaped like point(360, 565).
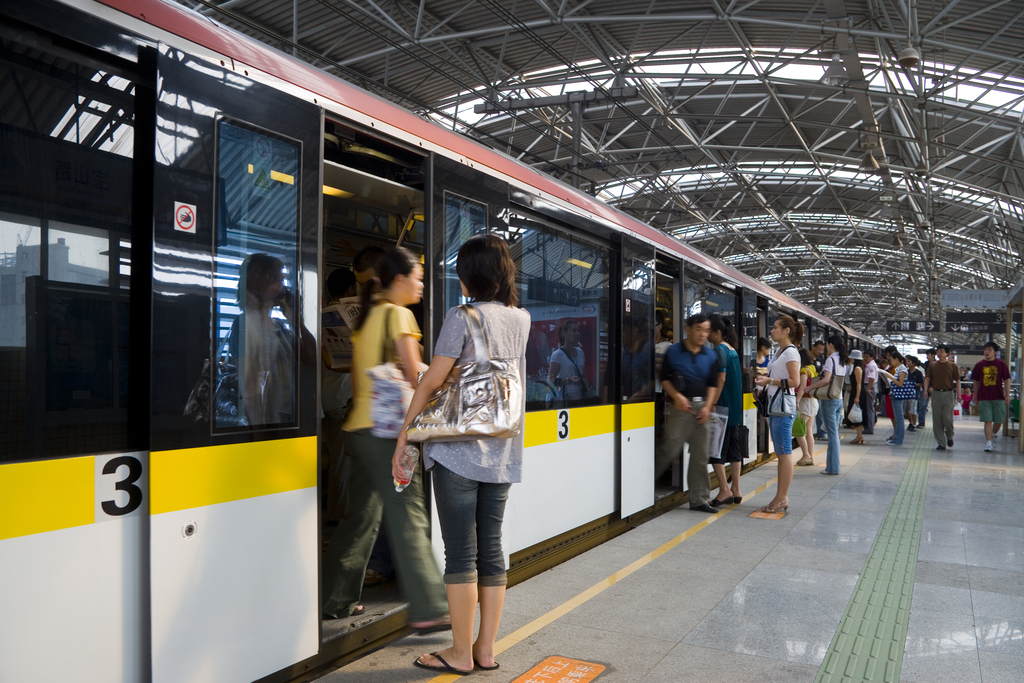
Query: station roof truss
point(863, 195)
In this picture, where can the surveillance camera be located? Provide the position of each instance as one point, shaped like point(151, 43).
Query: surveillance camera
point(909, 58)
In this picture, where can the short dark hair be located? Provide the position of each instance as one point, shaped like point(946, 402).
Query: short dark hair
point(931, 351)
point(869, 352)
point(367, 258)
point(992, 345)
point(763, 343)
point(944, 347)
point(339, 282)
point(819, 342)
point(696, 319)
point(485, 266)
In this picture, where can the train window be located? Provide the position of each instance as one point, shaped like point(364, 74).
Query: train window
point(564, 284)
point(66, 149)
point(463, 218)
point(256, 256)
point(78, 254)
point(637, 323)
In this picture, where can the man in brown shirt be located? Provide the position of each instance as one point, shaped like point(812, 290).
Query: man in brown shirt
point(942, 383)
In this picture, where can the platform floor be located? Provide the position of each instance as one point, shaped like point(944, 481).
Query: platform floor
point(697, 597)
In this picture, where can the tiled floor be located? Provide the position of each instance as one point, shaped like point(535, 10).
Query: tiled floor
point(760, 600)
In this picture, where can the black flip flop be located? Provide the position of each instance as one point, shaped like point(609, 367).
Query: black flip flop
point(485, 668)
point(445, 668)
point(434, 628)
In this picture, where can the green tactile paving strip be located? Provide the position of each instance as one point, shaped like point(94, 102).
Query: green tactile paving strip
point(868, 646)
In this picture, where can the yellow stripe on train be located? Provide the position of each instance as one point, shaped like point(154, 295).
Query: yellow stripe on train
point(47, 495)
point(543, 427)
point(197, 477)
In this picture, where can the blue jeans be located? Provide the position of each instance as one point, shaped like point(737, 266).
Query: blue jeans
point(831, 411)
point(922, 409)
point(819, 424)
point(470, 514)
point(782, 434)
point(901, 424)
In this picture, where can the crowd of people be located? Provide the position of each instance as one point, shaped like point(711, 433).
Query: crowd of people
point(805, 394)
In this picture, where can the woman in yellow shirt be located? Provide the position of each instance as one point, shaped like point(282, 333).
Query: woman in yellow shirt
point(807, 408)
point(371, 489)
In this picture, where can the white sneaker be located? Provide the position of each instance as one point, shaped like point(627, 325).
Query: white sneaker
point(994, 437)
point(988, 446)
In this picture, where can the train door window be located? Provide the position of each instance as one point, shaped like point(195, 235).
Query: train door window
point(463, 218)
point(256, 254)
point(637, 322)
point(692, 299)
point(749, 329)
point(720, 301)
point(66, 169)
point(564, 284)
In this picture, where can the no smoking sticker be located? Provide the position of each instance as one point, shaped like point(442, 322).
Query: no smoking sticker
point(185, 217)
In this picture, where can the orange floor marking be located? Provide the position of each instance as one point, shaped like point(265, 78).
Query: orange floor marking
point(561, 670)
point(767, 515)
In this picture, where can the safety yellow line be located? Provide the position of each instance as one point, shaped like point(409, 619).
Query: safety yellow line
point(599, 587)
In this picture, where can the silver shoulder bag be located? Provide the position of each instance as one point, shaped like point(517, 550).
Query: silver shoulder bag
point(480, 398)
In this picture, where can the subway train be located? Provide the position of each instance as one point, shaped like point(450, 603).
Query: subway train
point(154, 526)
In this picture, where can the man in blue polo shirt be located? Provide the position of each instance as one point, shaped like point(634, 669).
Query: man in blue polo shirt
point(690, 376)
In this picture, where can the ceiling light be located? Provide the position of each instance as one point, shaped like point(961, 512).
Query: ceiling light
point(909, 57)
point(868, 164)
point(835, 74)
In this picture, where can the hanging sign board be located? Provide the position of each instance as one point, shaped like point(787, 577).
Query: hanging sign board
point(974, 298)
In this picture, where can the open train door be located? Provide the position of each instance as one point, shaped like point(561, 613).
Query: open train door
point(234, 525)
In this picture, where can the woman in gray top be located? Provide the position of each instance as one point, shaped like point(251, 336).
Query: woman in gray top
point(471, 479)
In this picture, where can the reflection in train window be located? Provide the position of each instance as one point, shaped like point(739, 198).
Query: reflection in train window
point(564, 284)
point(637, 324)
point(256, 256)
point(463, 218)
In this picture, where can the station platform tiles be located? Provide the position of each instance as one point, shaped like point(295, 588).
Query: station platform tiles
point(909, 566)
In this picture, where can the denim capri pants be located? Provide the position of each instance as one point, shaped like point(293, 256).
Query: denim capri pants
point(470, 514)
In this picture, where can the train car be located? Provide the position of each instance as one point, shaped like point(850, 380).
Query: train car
point(157, 522)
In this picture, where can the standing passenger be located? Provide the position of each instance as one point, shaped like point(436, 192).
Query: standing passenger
point(900, 386)
point(723, 336)
point(871, 387)
point(471, 479)
point(690, 376)
point(371, 493)
point(818, 354)
point(942, 383)
point(857, 396)
point(567, 368)
point(783, 373)
point(914, 407)
point(832, 409)
point(807, 408)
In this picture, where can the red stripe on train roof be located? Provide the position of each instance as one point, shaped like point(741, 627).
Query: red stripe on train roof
point(198, 29)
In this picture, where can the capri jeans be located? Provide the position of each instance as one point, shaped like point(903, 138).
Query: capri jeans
point(831, 411)
point(470, 514)
point(782, 434)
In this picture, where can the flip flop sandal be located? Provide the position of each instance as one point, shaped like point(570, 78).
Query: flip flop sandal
point(485, 668)
point(445, 666)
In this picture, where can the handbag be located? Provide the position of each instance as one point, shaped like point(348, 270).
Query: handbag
point(390, 392)
point(716, 436)
point(799, 427)
point(907, 391)
point(832, 390)
point(222, 390)
point(482, 397)
point(856, 415)
point(783, 403)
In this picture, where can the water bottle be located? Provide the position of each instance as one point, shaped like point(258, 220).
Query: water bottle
point(409, 461)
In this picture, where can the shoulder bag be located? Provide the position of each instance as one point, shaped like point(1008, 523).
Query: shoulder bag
point(832, 390)
point(480, 398)
point(390, 392)
point(783, 403)
point(907, 391)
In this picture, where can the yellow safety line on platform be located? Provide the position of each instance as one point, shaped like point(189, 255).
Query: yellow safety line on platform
point(599, 587)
